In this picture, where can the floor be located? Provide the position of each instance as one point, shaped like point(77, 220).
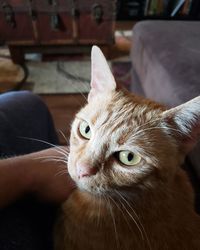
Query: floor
point(63, 108)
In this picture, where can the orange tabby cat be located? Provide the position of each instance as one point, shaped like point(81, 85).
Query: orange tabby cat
point(125, 157)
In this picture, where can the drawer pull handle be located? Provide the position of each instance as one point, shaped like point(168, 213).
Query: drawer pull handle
point(9, 14)
point(55, 22)
point(52, 2)
point(97, 13)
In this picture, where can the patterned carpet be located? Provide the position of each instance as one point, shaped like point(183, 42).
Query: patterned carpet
point(10, 74)
point(57, 77)
point(69, 77)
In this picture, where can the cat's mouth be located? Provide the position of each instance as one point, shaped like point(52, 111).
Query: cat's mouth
point(87, 178)
point(91, 184)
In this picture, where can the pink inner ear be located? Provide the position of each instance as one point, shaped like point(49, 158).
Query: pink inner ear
point(94, 85)
point(101, 75)
point(91, 94)
point(96, 79)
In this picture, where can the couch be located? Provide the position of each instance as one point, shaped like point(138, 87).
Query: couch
point(165, 58)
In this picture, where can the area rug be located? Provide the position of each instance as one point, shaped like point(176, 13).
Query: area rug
point(69, 76)
point(11, 75)
point(58, 77)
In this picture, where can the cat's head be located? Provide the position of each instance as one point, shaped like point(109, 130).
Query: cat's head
point(121, 141)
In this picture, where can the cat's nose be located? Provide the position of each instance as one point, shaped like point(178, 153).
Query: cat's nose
point(85, 170)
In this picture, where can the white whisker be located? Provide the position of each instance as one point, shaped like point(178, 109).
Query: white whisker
point(56, 147)
point(50, 157)
point(63, 135)
point(157, 127)
point(62, 172)
point(68, 75)
point(131, 216)
point(118, 207)
point(146, 123)
point(114, 223)
point(54, 160)
point(143, 229)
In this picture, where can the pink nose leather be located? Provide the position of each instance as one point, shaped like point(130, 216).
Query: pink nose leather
point(85, 170)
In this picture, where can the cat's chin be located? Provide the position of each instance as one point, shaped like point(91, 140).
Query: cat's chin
point(87, 185)
point(90, 184)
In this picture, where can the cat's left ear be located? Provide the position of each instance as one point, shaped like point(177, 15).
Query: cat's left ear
point(102, 79)
point(184, 122)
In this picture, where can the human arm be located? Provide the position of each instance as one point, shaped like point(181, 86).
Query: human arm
point(36, 174)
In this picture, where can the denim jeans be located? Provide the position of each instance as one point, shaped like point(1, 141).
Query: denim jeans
point(27, 224)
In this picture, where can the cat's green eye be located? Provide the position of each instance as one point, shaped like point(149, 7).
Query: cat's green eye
point(85, 130)
point(128, 158)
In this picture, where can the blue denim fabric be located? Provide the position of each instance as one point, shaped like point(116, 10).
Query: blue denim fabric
point(23, 114)
point(27, 224)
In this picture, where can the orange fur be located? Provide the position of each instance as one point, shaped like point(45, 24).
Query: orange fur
point(145, 206)
point(151, 209)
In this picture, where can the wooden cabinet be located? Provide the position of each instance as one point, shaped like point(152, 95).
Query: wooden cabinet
point(37, 25)
point(15, 21)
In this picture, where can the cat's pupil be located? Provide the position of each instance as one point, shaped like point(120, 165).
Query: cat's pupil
point(130, 157)
point(87, 129)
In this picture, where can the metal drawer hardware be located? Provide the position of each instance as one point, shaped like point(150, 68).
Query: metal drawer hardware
point(9, 14)
point(75, 13)
point(33, 14)
point(74, 10)
point(55, 21)
point(97, 13)
point(52, 2)
point(32, 11)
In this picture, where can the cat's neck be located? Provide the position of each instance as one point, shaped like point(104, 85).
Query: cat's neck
point(146, 216)
point(145, 202)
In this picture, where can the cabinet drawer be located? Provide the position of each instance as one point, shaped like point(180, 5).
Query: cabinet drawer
point(15, 21)
point(57, 21)
point(54, 27)
point(96, 20)
point(52, 5)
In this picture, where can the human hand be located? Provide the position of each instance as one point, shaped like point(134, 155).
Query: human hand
point(36, 174)
point(49, 179)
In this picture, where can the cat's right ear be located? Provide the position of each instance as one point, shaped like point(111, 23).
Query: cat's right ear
point(102, 79)
point(184, 122)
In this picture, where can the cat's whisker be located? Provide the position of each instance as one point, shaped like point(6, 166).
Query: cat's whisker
point(62, 172)
point(63, 135)
point(50, 157)
point(99, 211)
point(84, 82)
point(125, 200)
point(134, 220)
point(131, 216)
point(146, 123)
point(149, 122)
point(157, 127)
point(114, 223)
point(122, 212)
point(38, 140)
point(63, 161)
point(73, 76)
point(55, 160)
point(68, 75)
point(176, 130)
point(141, 225)
point(61, 151)
point(56, 147)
